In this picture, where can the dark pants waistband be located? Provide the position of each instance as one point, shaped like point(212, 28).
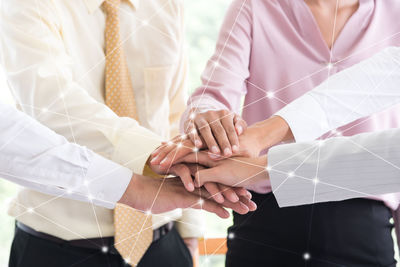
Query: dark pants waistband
point(91, 243)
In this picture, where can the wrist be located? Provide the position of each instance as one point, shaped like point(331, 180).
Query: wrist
point(262, 162)
point(273, 131)
point(130, 196)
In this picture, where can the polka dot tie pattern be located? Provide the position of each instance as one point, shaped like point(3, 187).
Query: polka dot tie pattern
point(133, 229)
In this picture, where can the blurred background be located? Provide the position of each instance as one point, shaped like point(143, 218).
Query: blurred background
point(203, 19)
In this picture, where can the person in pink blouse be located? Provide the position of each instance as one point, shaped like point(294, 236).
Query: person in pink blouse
point(270, 53)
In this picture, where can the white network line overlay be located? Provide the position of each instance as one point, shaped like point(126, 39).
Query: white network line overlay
point(146, 23)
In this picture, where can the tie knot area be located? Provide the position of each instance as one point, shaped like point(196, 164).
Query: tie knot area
point(111, 6)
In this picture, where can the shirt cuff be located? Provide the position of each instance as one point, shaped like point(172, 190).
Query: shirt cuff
point(192, 223)
point(287, 187)
point(134, 147)
point(106, 181)
point(306, 118)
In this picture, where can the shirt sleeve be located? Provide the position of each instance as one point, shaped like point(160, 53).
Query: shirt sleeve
point(340, 168)
point(45, 86)
point(224, 78)
point(359, 91)
point(33, 156)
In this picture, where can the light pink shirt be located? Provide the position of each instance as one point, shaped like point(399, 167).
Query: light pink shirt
point(271, 52)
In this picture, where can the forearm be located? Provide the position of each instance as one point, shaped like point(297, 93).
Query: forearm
point(345, 167)
point(359, 91)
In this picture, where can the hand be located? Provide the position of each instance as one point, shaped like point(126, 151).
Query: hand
point(256, 138)
point(193, 246)
point(162, 195)
point(233, 172)
point(218, 192)
point(219, 131)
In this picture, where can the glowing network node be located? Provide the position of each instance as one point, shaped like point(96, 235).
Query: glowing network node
point(316, 180)
point(192, 116)
point(183, 137)
point(180, 145)
point(170, 143)
point(269, 168)
point(329, 65)
point(148, 212)
point(216, 64)
point(306, 256)
point(290, 174)
point(195, 150)
point(104, 249)
point(201, 202)
point(29, 210)
point(321, 142)
point(231, 235)
point(90, 197)
point(44, 110)
point(270, 94)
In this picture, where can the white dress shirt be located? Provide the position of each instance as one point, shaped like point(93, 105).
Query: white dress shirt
point(35, 157)
point(364, 165)
point(53, 55)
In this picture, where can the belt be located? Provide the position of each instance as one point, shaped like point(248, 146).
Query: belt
point(105, 244)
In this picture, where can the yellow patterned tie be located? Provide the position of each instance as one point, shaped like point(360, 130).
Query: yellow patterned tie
point(133, 229)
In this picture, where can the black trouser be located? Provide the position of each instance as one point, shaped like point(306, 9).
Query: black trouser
point(30, 251)
point(354, 232)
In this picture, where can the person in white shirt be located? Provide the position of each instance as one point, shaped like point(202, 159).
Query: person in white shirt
point(53, 53)
point(35, 157)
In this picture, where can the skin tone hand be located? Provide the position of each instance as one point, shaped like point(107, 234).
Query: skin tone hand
point(234, 171)
point(218, 130)
point(162, 195)
point(256, 138)
point(218, 192)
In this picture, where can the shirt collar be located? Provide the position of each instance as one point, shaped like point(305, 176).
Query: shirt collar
point(92, 5)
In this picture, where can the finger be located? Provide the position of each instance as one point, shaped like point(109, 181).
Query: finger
point(222, 139)
point(182, 149)
point(238, 207)
point(240, 124)
point(194, 167)
point(243, 192)
point(214, 191)
point(183, 172)
point(212, 206)
point(228, 193)
point(205, 130)
point(227, 123)
point(200, 158)
point(249, 203)
point(157, 151)
point(162, 153)
point(194, 135)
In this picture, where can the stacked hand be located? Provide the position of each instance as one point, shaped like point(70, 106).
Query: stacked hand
point(216, 131)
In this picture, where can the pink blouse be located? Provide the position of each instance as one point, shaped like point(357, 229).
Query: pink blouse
point(271, 52)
